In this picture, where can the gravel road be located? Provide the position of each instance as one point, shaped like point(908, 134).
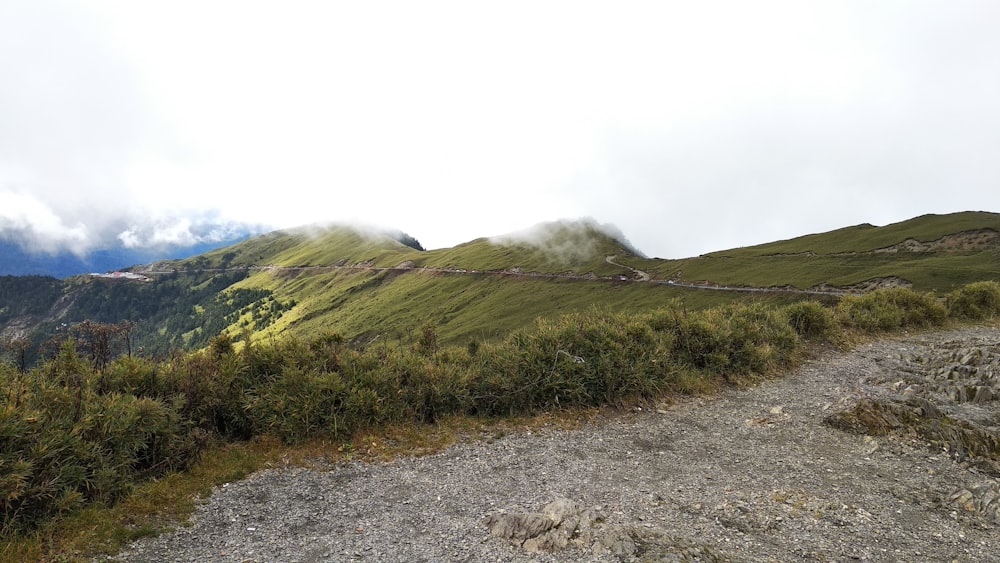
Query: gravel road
point(753, 474)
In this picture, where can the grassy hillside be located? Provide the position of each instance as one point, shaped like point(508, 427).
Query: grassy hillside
point(959, 248)
point(365, 305)
point(558, 247)
point(577, 247)
point(305, 246)
point(368, 285)
point(866, 238)
point(481, 289)
point(461, 289)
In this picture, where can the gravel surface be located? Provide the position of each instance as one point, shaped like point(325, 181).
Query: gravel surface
point(753, 474)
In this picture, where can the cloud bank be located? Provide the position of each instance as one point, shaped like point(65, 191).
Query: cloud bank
point(692, 126)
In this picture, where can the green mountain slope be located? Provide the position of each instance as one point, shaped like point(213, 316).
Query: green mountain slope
point(867, 238)
point(304, 246)
point(557, 247)
point(931, 252)
point(367, 285)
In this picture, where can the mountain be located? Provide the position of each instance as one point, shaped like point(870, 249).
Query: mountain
point(17, 261)
point(926, 229)
point(927, 253)
point(378, 288)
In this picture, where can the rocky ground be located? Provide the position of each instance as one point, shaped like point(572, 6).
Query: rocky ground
point(887, 453)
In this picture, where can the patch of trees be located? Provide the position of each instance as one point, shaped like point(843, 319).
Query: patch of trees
point(406, 239)
point(27, 295)
point(161, 312)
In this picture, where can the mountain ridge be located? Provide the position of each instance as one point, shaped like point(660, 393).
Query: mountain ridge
point(18, 260)
point(367, 285)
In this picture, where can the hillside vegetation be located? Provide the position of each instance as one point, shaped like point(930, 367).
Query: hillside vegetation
point(928, 253)
point(371, 285)
point(321, 333)
point(79, 432)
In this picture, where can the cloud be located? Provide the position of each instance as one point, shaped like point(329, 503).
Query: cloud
point(71, 117)
point(692, 126)
point(165, 232)
point(34, 225)
point(568, 240)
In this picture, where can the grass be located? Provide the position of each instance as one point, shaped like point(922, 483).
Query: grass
point(926, 271)
point(365, 305)
point(864, 238)
point(319, 402)
point(579, 247)
point(463, 307)
point(151, 508)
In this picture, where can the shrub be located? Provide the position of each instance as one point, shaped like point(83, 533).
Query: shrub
point(735, 340)
point(809, 319)
point(127, 439)
point(424, 388)
point(299, 405)
point(62, 443)
point(583, 359)
point(136, 376)
point(889, 309)
point(975, 301)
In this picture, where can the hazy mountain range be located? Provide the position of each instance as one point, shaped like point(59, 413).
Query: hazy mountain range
point(21, 255)
point(17, 261)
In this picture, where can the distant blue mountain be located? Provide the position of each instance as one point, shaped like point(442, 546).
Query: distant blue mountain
point(16, 261)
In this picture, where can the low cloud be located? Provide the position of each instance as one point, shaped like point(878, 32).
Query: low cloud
point(35, 226)
point(182, 231)
point(692, 132)
point(39, 227)
point(567, 240)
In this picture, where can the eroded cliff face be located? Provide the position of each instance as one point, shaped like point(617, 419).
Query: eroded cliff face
point(967, 241)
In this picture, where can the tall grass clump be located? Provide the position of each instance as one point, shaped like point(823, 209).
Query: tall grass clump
point(884, 310)
point(809, 319)
point(582, 359)
point(976, 301)
point(734, 341)
point(64, 443)
point(323, 388)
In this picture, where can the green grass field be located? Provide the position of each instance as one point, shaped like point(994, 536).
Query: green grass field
point(467, 298)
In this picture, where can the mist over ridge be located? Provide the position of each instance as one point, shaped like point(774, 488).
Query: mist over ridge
point(568, 239)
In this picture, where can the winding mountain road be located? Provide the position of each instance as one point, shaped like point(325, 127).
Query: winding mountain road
point(643, 276)
point(638, 276)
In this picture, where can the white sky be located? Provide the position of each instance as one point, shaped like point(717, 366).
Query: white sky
point(692, 126)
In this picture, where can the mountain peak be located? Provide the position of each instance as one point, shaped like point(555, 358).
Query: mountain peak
point(572, 239)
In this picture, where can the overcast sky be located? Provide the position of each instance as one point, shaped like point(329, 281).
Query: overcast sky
point(692, 126)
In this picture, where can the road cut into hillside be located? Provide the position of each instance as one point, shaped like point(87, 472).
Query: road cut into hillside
point(885, 453)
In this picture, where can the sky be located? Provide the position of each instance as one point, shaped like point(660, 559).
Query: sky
point(691, 126)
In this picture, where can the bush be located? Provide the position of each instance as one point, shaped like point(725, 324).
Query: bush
point(299, 405)
point(890, 309)
point(809, 319)
point(429, 389)
point(70, 435)
point(975, 301)
point(62, 443)
point(584, 359)
point(737, 340)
